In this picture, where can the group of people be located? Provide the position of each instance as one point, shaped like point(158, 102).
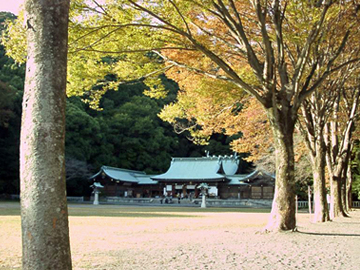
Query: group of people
point(168, 198)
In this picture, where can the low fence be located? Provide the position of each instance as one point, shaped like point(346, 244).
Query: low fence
point(356, 204)
point(210, 202)
point(16, 197)
point(75, 199)
point(305, 204)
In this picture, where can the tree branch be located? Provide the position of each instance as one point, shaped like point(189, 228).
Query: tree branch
point(229, 21)
point(182, 17)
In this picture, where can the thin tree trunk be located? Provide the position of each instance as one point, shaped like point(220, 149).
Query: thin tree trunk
point(44, 214)
point(343, 194)
point(309, 200)
point(321, 212)
point(283, 212)
point(349, 181)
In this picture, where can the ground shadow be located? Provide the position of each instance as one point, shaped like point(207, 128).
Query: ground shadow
point(330, 234)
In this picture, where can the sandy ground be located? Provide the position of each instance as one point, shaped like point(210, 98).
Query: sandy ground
point(222, 241)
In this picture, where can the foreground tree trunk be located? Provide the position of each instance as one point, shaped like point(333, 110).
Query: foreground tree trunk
point(44, 214)
point(283, 211)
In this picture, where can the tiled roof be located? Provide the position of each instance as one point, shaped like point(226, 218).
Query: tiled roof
point(199, 169)
point(124, 175)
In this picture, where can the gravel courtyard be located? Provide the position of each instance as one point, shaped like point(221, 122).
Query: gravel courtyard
point(138, 238)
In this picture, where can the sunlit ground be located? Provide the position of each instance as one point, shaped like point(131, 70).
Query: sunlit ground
point(125, 237)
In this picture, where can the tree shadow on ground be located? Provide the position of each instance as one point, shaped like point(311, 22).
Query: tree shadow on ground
point(330, 234)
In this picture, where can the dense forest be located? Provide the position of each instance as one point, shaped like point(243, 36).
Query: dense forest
point(124, 132)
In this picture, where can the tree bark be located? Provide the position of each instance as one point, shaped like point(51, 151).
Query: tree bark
point(349, 180)
point(44, 214)
point(344, 183)
point(283, 212)
point(335, 177)
point(335, 190)
point(321, 212)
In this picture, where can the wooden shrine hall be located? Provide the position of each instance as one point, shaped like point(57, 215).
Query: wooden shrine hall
point(221, 173)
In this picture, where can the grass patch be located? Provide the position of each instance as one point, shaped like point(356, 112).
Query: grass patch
point(122, 212)
point(88, 210)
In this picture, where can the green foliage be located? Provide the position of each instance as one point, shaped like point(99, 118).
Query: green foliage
point(11, 90)
point(13, 37)
point(81, 132)
point(127, 132)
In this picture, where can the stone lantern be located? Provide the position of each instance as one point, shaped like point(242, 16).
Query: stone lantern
point(96, 186)
point(203, 187)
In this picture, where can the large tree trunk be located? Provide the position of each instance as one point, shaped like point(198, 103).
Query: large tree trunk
point(282, 216)
point(44, 214)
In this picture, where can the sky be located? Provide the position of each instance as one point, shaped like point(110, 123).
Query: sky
point(10, 5)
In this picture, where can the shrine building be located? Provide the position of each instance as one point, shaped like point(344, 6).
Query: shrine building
point(221, 173)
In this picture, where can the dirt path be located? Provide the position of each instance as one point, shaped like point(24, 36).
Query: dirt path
point(219, 241)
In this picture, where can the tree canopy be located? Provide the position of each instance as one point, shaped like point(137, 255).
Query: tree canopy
point(124, 131)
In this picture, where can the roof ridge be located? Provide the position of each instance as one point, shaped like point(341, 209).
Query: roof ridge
point(122, 170)
point(194, 158)
point(207, 158)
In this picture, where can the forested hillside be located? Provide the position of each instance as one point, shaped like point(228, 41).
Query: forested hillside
point(126, 132)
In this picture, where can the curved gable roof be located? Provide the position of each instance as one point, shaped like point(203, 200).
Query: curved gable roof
point(186, 169)
point(230, 165)
point(119, 174)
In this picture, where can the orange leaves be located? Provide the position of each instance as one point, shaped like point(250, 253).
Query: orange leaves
point(256, 133)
